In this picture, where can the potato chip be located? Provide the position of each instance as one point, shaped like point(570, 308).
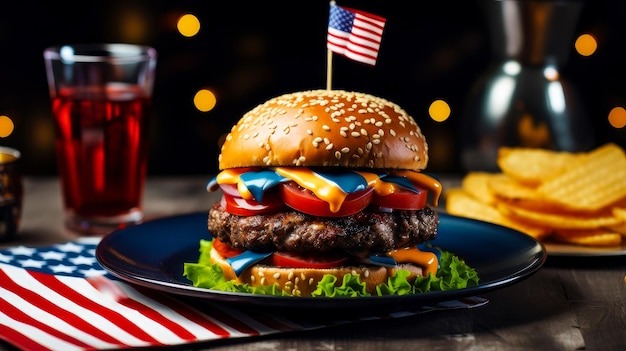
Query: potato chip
point(618, 228)
point(560, 220)
point(593, 182)
point(536, 231)
point(579, 196)
point(596, 237)
point(619, 212)
point(531, 166)
point(477, 185)
point(512, 192)
point(462, 204)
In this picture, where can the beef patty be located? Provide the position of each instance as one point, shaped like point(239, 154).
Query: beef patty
point(359, 234)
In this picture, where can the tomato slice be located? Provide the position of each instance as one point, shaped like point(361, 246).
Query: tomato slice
point(297, 260)
point(239, 206)
point(402, 199)
point(226, 251)
point(304, 200)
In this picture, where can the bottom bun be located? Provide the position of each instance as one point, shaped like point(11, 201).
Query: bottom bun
point(303, 281)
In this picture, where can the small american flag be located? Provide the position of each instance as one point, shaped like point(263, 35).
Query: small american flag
point(354, 34)
point(60, 298)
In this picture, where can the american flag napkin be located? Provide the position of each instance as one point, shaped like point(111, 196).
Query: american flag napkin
point(59, 298)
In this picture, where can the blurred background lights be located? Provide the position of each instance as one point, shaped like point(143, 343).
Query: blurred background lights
point(550, 73)
point(499, 96)
point(586, 44)
point(6, 126)
point(556, 97)
point(188, 25)
point(439, 110)
point(512, 68)
point(131, 23)
point(617, 117)
point(204, 100)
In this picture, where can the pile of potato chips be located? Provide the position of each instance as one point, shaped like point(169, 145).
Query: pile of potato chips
point(574, 198)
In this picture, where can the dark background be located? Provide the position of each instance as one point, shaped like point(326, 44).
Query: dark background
point(247, 52)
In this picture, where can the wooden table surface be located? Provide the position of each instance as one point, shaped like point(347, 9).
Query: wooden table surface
point(572, 303)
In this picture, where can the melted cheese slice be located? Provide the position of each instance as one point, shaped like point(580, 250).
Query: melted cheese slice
point(323, 188)
point(327, 189)
point(424, 180)
point(381, 188)
point(427, 260)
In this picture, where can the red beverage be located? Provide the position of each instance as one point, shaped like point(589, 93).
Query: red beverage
point(102, 146)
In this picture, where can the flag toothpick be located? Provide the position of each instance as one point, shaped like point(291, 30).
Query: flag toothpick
point(352, 33)
point(329, 69)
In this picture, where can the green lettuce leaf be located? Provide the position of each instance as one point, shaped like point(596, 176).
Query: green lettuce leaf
point(350, 287)
point(453, 273)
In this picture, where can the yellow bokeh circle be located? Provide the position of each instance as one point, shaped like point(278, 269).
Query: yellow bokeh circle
point(6, 126)
point(204, 100)
point(617, 117)
point(439, 110)
point(188, 25)
point(586, 45)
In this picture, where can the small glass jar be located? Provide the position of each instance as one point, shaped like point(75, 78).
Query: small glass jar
point(11, 191)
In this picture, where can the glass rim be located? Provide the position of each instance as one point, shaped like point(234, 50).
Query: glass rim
point(100, 52)
point(15, 153)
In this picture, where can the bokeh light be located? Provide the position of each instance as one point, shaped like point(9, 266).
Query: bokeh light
point(6, 126)
point(130, 22)
point(586, 44)
point(204, 100)
point(550, 73)
point(617, 117)
point(439, 110)
point(188, 25)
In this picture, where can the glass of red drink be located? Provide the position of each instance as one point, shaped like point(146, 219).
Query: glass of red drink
point(101, 96)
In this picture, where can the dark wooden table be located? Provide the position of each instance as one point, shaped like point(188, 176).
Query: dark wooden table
point(572, 303)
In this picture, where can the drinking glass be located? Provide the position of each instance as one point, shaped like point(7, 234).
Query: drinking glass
point(101, 96)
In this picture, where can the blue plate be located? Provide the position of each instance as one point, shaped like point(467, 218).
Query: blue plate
point(152, 255)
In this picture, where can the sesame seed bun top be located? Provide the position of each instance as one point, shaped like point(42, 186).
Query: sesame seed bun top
point(326, 128)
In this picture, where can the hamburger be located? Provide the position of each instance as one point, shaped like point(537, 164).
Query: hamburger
point(322, 195)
